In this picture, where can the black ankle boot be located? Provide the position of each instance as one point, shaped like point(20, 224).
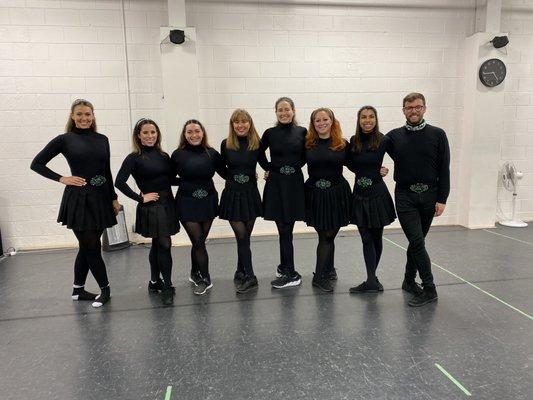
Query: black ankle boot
point(167, 295)
point(324, 283)
point(428, 295)
point(80, 294)
point(412, 287)
point(238, 277)
point(103, 297)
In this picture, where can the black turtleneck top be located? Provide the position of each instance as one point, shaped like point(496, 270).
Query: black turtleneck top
point(367, 163)
point(196, 164)
point(87, 153)
point(421, 156)
point(241, 160)
point(323, 162)
point(151, 170)
point(287, 147)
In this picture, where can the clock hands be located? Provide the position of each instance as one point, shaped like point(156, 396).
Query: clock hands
point(491, 73)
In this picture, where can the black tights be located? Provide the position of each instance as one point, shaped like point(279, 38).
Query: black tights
point(325, 251)
point(89, 258)
point(197, 232)
point(161, 259)
point(286, 249)
point(372, 239)
point(243, 231)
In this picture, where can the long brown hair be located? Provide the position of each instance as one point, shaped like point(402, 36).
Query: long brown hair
point(232, 141)
point(311, 139)
point(291, 103)
point(375, 135)
point(137, 130)
point(70, 125)
point(183, 141)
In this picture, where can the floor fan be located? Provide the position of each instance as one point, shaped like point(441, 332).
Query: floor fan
point(510, 177)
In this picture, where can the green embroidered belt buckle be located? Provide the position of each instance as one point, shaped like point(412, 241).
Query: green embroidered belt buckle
point(364, 182)
point(97, 180)
point(241, 178)
point(199, 193)
point(419, 188)
point(323, 184)
point(287, 170)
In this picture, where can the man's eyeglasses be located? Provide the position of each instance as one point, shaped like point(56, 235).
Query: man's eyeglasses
point(415, 108)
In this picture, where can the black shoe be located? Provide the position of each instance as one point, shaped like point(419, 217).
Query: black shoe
point(248, 284)
point(80, 294)
point(428, 295)
point(366, 287)
point(238, 277)
point(155, 287)
point(380, 286)
point(324, 283)
point(167, 295)
point(287, 281)
point(279, 272)
point(412, 287)
point(202, 287)
point(102, 298)
point(195, 278)
point(332, 274)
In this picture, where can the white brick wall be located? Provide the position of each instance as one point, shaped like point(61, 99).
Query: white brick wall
point(52, 52)
point(249, 54)
point(337, 56)
point(517, 138)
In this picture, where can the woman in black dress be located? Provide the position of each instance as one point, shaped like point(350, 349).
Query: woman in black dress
point(240, 202)
point(155, 218)
point(372, 205)
point(195, 162)
point(283, 196)
point(327, 193)
point(89, 204)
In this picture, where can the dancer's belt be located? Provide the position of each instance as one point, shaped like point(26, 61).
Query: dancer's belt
point(97, 180)
point(198, 190)
point(419, 187)
point(286, 170)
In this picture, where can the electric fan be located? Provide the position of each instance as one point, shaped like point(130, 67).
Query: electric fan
point(510, 177)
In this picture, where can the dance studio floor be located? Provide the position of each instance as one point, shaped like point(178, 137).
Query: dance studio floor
point(295, 343)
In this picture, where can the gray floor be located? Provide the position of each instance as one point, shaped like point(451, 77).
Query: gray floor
point(291, 344)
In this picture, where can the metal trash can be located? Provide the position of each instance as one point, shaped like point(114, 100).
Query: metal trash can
point(116, 237)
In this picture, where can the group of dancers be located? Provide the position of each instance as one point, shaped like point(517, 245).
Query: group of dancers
point(324, 201)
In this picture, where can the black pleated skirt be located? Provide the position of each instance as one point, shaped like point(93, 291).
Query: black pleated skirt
point(240, 201)
point(284, 197)
point(86, 208)
point(372, 207)
point(327, 203)
point(196, 203)
point(157, 218)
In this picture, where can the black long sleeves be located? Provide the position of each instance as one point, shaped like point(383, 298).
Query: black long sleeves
point(86, 152)
point(323, 162)
point(421, 156)
point(151, 170)
point(241, 160)
point(367, 163)
point(287, 146)
point(197, 164)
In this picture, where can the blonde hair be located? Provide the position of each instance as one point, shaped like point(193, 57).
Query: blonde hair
point(232, 142)
point(70, 122)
